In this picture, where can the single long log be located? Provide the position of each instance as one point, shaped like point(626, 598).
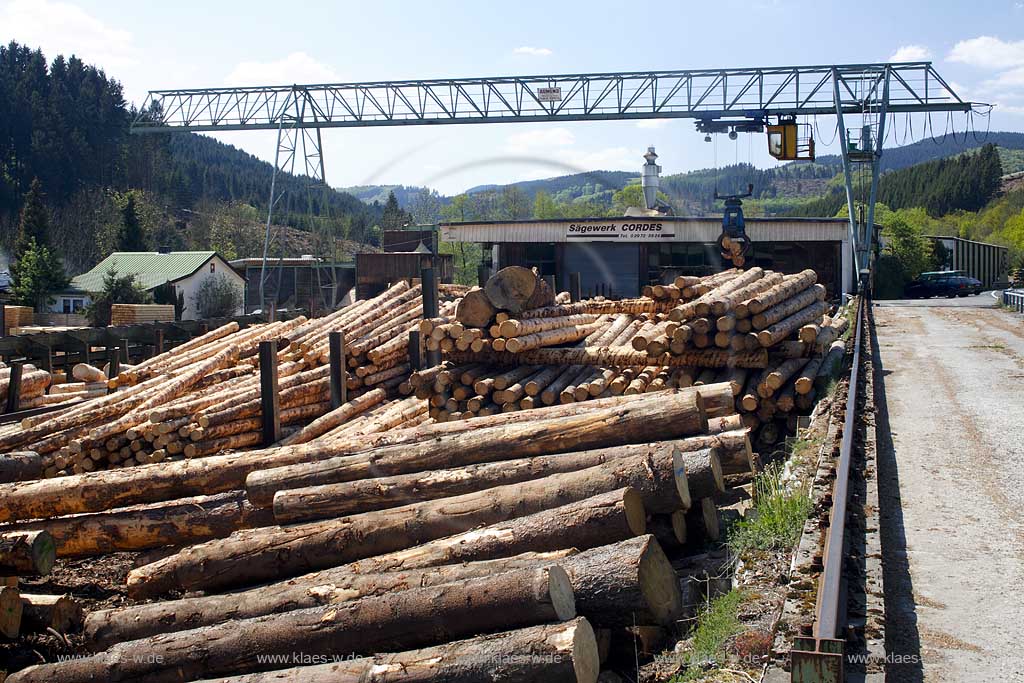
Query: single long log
point(780, 330)
point(182, 522)
point(621, 356)
point(104, 628)
point(567, 652)
point(256, 555)
point(413, 618)
point(553, 337)
point(365, 495)
point(655, 417)
point(20, 466)
point(26, 553)
point(336, 417)
point(789, 287)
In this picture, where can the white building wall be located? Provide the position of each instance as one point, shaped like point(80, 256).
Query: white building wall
point(190, 285)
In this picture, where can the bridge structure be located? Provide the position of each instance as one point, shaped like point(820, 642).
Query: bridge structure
point(860, 96)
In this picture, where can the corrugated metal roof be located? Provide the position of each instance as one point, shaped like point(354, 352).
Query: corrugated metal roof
point(151, 268)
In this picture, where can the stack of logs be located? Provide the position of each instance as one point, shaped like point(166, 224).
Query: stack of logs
point(26, 554)
point(770, 336)
point(203, 397)
point(442, 544)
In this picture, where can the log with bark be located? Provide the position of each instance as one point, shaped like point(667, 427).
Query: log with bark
point(516, 289)
point(177, 523)
point(365, 495)
point(26, 553)
point(565, 652)
point(413, 618)
point(20, 466)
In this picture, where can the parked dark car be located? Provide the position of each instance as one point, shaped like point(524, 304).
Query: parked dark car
point(952, 286)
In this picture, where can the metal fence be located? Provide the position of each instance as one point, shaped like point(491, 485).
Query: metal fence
point(1014, 299)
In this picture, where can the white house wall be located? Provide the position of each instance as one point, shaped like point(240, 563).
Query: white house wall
point(190, 285)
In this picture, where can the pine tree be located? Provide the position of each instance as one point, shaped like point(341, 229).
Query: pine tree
point(393, 217)
point(34, 224)
point(130, 236)
point(38, 273)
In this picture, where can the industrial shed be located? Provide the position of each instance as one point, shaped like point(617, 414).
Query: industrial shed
point(618, 256)
point(989, 263)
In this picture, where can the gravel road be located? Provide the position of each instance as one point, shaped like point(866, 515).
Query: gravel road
point(950, 398)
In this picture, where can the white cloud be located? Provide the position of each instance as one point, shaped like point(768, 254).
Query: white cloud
point(911, 53)
point(988, 52)
point(298, 67)
point(539, 140)
point(63, 28)
point(533, 51)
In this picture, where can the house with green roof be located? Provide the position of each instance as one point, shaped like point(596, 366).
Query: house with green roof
point(185, 271)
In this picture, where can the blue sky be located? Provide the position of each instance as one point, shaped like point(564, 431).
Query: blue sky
point(978, 46)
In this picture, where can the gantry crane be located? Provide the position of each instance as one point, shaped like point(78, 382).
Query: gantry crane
point(720, 100)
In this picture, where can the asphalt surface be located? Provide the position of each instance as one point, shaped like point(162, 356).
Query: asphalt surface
point(950, 399)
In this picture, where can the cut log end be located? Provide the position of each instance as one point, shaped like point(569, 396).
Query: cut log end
point(586, 658)
point(559, 589)
point(659, 584)
point(636, 516)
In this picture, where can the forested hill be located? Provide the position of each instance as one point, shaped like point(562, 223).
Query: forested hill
point(67, 124)
point(949, 145)
point(966, 182)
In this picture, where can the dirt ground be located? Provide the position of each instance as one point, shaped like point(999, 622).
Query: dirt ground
point(950, 401)
point(95, 583)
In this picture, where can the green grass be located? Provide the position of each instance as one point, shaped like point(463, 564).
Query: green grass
point(715, 625)
point(777, 518)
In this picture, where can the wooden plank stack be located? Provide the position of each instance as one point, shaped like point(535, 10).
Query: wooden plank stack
point(133, 314)
point(17, 316)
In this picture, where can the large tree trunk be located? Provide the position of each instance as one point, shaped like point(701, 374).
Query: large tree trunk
point(626, 583)
point(413, 618)
point(26, 553)
point(665, 416)
point(177, 523)
point(104, 628)
point(249, 557)
point(555, 653)
point(365, 495)
point(517, 289)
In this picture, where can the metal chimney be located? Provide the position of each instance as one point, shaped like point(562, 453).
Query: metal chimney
point(649, 179)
